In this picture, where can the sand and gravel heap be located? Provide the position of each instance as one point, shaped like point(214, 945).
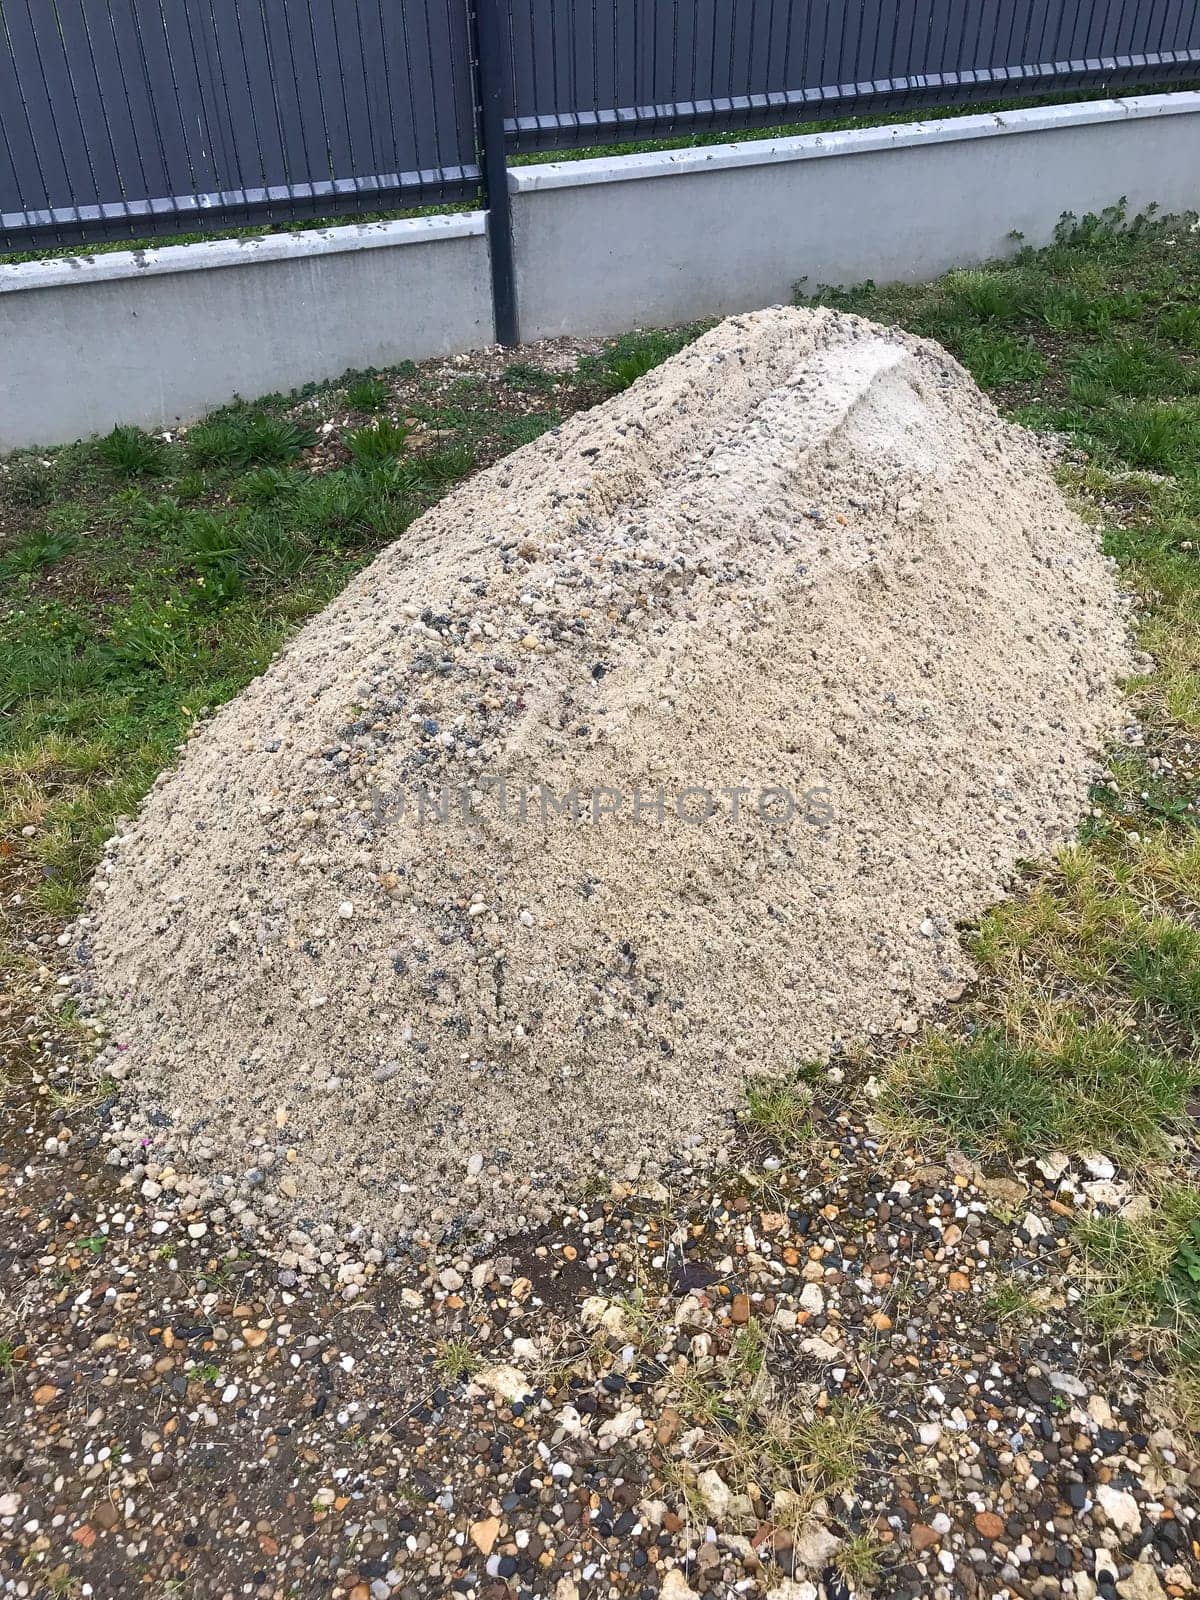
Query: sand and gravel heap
point(802, 572)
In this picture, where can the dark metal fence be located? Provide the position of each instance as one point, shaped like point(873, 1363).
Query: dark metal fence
point(590, 71)
point(123, 118)
point(129, 118)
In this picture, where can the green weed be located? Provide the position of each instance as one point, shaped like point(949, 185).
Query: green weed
point(521, 375)
point(446, 465)
point(456, 1360)
point(998, 360)
point(367, 394)
point(158, 519)
point(1144, 1275)
point(1161, 435)
point(780, 1110)
point(36, 552)
point(990, 295)
point(633, 355)
point(128, 452)
point(380, 442)
point(1131, 367)
point(1181, 324)
point(239, 440)
point(30, 484)
point(268, 486)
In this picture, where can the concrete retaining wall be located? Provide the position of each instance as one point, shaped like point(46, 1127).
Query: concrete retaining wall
point(158, 337)
point(606, 245)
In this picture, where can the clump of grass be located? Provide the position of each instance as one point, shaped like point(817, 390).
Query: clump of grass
point(1079, 308)
point(1081, 1086)
point(274, 441)
point(445, 465)
point(367, 394)
point(37, 551)
point(190, 486)
point(633, 355)
point(1000, 360)
point(779, 1110)
point(523, 375)
point(989, 294)
point(380, 442)
point(160, 518)
point(825, 1452)
point(516, 431)
point(1130, 367)
point(129, 453)
point(239, 440)
point(1010, 1300)
point(1181, 324)
point(1160, 965)
point(1107, 919)
point(29, 484)
point(455, 1360)
point(858, 1560)
point(756, 1436)
point(265, 486)
point(1161, 435)
point(1144, 1275)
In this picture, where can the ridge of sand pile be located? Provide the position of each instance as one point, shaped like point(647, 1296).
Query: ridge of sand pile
point(804, 553)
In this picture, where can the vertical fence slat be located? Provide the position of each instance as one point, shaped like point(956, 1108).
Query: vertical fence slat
point(27, 188)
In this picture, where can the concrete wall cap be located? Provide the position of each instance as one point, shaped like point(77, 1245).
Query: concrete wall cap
point(155, 262)
point(851, 141)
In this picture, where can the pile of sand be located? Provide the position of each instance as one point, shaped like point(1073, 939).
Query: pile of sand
point(805, 556)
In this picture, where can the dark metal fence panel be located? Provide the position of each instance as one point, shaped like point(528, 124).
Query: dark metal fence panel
point(597, 71)
point(122, 118)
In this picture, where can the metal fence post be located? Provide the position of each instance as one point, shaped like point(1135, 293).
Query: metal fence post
point(490, 105)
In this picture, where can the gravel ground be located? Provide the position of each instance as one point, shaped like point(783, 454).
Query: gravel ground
point(591, 1416)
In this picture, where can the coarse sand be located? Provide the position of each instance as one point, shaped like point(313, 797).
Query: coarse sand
point(803, 572)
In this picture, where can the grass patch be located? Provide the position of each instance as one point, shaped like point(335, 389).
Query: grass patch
point(779, 1110)
point(455, 1360)
point(1011, 1301)
point(522, 375)
point(1143, 1276)
point(1001, 360)
point(1076, 1086)
point(382, 441)
point(858, 1560)
point(238, 440)
point(625, 360)
point(367, 394)
point(130, 453)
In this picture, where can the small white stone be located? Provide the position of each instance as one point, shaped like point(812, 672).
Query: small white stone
point(1120, 1508)
point(812, 1299)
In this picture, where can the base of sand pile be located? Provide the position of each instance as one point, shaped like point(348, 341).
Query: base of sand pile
point(806, 557)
